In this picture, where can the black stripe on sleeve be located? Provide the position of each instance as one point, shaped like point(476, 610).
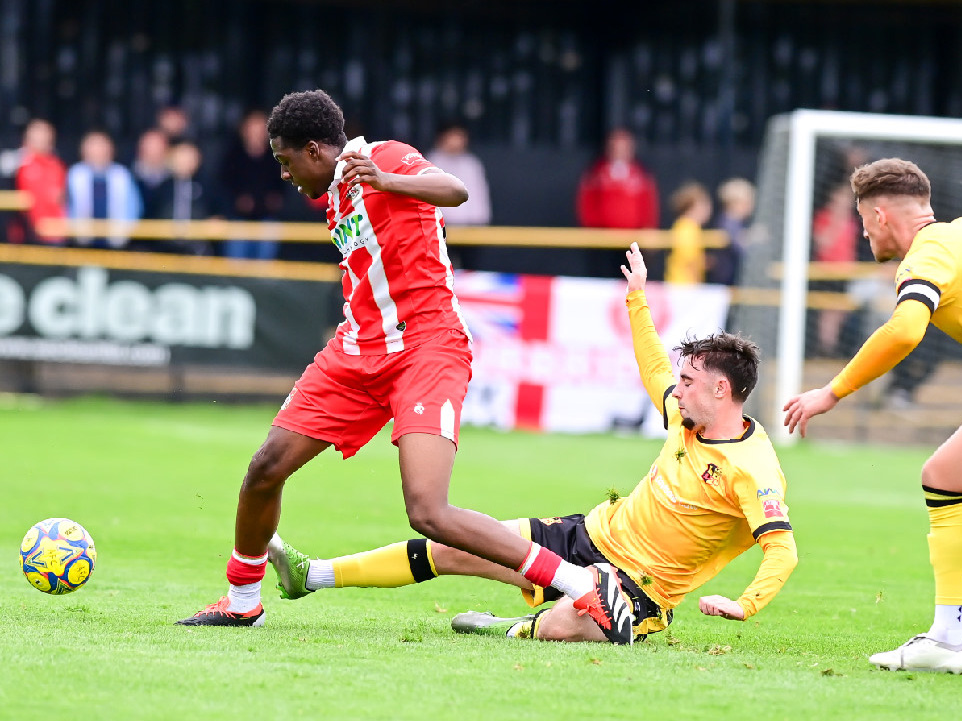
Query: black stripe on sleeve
point(911, 289)
point(773, 526)
point(664, 401)
point(418, 558)
point(918, 281)
point(923, 299)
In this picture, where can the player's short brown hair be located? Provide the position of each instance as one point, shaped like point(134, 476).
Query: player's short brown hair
point(730, 354)
point(890, 176)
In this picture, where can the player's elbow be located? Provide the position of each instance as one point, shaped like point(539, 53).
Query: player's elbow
point(792, 560)
point(459, 193)
point(790, 557)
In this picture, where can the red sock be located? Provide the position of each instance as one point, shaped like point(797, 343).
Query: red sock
point(242, 569)
point(540, 565)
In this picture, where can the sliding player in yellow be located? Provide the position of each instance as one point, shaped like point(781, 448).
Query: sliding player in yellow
point(893, 198)
point(715, 490)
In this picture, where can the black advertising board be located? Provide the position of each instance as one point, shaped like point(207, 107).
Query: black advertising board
point(92, 314)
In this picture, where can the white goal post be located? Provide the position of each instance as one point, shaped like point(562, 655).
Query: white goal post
point(804, 128)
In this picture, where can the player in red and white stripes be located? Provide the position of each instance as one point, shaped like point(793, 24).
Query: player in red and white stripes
point(402, 352)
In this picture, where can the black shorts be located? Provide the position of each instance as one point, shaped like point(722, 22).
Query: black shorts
point(568, 537)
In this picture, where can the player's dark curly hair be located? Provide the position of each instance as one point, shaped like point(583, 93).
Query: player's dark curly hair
point(733, 356)
point(309, 115)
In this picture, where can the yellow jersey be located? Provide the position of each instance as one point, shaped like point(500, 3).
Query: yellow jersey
point(931, 274)
point(702, 503)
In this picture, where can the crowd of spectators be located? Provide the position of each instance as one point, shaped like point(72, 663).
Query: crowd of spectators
point(169, 177)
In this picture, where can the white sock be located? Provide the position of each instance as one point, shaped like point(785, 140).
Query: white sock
point(244, 598)
point(320, 574)
point(573, 581)
point(947, 625)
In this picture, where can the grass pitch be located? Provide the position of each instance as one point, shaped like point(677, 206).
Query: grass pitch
point(156, 486)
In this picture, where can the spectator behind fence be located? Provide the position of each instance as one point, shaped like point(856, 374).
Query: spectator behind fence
point(43, 176)
point(692, 206)
point(174, 122)
point(150, 168)
point(616, 191)
point(253, 185)
point(451, 154)
point(98, 188)
point(181, 197)
point(737, 199)
point(835, 233)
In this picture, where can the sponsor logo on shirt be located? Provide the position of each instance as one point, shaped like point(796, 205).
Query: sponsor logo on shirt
point(346, 235)
point(762, 492)
point(660, 482)
point(412, 158)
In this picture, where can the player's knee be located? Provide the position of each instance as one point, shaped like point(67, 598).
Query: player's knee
point(563, 623)
point(267, 470)
point(934, 475)
point(429, 520)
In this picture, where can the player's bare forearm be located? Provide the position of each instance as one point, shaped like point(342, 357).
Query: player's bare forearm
point(434, 186)
point(440, 189)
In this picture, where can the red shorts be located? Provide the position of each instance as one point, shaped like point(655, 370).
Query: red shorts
point(346, 399)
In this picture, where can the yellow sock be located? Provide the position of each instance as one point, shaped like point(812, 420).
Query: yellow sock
point(945, 544)
point(396, 565)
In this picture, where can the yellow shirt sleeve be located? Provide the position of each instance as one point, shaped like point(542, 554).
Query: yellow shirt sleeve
point(884, 348)
point(780, 559)
point(650, 353)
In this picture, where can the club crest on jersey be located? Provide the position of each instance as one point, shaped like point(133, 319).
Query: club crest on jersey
point(772, 508)
point(354, 192)
point(287, 401)
point(712, 474)
point(419, 408)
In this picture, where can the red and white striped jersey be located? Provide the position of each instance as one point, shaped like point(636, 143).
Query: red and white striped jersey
point(398, 282)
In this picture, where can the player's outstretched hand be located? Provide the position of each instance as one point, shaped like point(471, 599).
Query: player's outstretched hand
point(721, 606)
point(811, 403)
point(636, 273)
point(360, 169)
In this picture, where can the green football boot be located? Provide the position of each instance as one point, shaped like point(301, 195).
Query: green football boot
point(291, 566)
point(487, 624)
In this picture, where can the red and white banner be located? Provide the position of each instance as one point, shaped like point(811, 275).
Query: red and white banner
point(555, 354)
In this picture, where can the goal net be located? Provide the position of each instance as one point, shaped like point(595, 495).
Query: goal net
point(809, 293)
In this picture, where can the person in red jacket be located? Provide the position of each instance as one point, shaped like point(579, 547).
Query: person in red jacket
point(616, 191)
point(43, 176)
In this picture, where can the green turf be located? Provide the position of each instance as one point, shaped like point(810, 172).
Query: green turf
point(156, 486)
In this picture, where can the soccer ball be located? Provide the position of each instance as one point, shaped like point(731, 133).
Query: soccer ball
point(57, 556)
